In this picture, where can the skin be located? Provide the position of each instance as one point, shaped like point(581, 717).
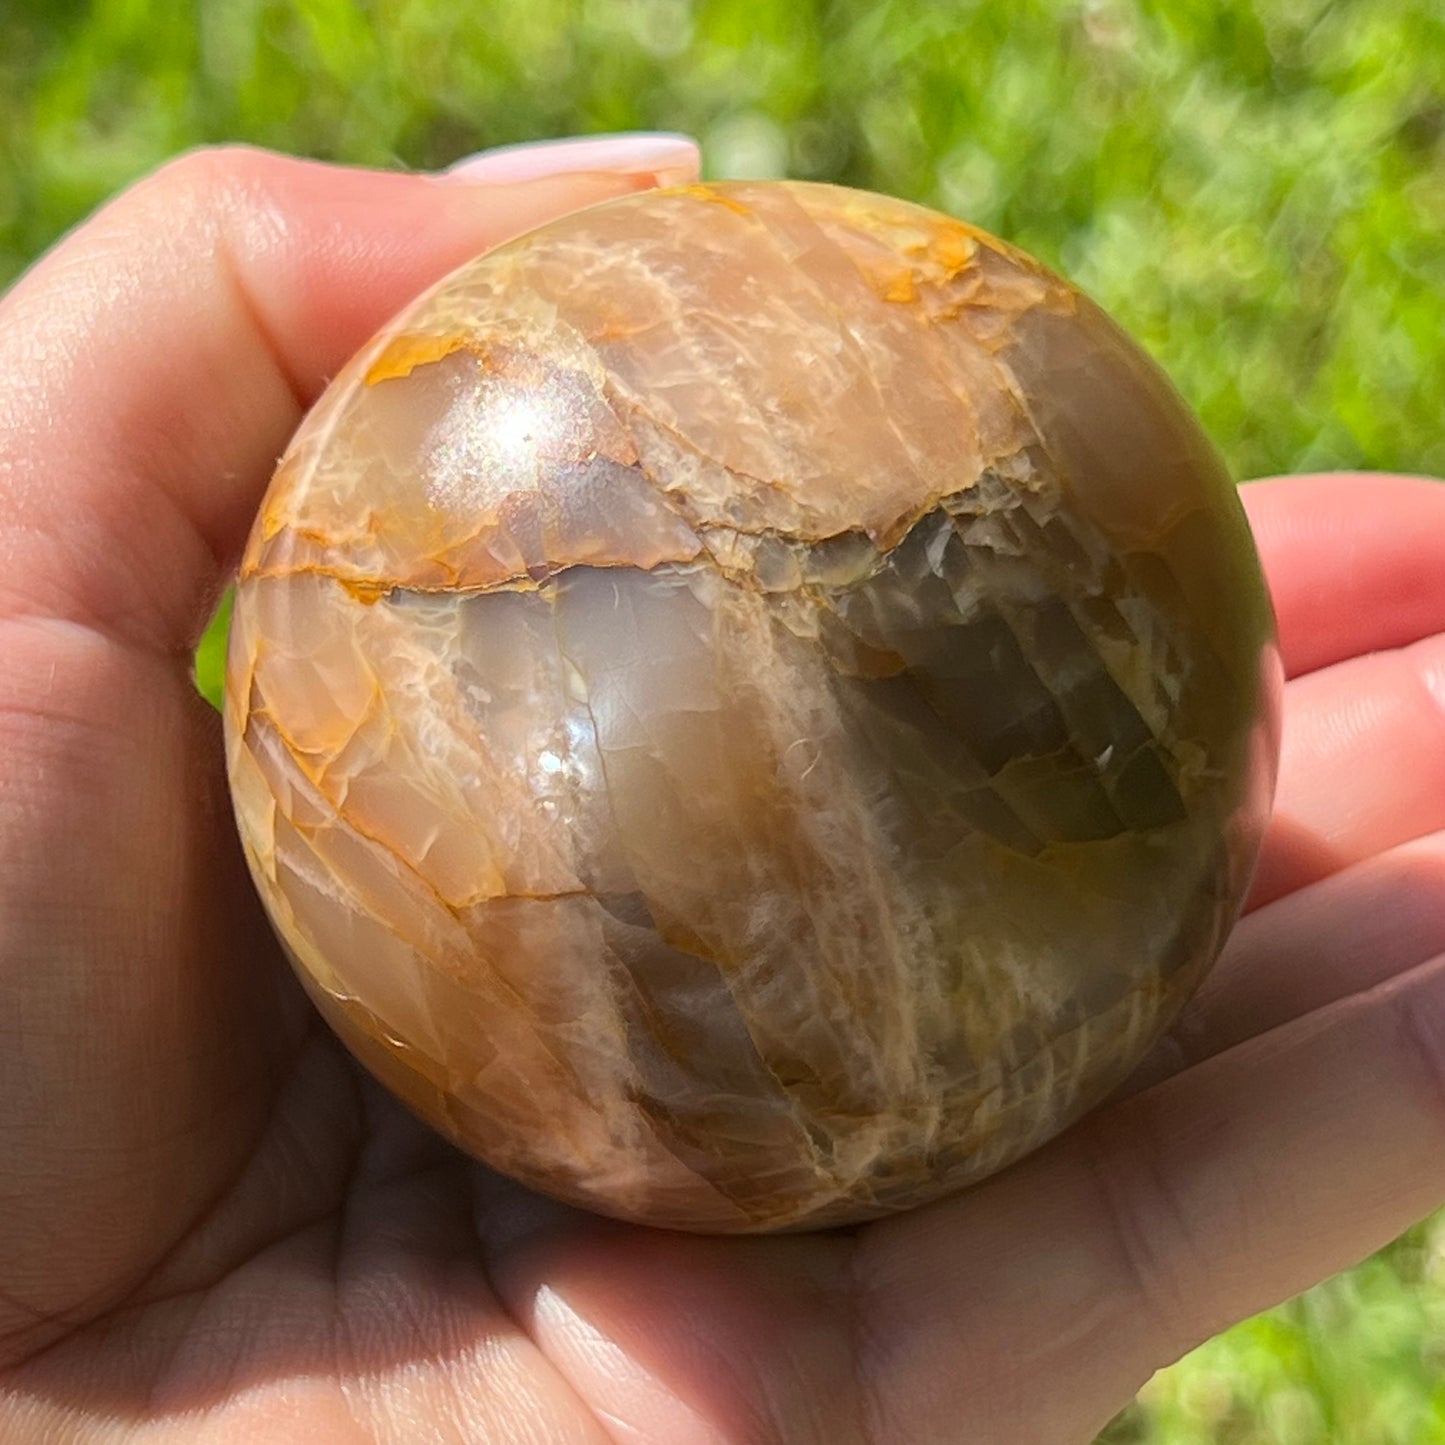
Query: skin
point(214, 1228)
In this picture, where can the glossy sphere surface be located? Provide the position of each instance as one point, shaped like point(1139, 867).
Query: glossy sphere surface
point(751, 706)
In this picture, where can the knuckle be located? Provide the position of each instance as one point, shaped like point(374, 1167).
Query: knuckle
point(1419, 1012)
point(1160, 1263)
point(205, 179)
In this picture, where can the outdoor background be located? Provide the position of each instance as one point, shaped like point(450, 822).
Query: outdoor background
point(1256, 191)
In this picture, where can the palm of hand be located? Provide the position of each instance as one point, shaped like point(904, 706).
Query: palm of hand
point(214, 1227)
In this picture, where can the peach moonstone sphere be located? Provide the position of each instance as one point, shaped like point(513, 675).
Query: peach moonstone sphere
point(751, 706)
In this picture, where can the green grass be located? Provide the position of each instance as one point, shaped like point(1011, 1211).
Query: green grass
point(1359, 1360)
point(1257, 192)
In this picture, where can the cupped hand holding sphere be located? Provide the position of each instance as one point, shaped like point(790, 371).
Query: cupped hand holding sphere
point(215, 1227)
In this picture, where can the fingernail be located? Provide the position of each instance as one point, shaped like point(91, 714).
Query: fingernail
point(671, 159)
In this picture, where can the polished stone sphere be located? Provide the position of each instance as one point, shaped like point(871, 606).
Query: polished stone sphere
point(751, 706)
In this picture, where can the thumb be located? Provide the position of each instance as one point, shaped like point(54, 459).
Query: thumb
point(153, 365)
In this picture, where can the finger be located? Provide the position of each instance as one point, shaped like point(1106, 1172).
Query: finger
point(153, 366)
point(683, 1338)
point(1032, 1308)
point(1359, 929)
point(1362, 765)
point(1356, 562)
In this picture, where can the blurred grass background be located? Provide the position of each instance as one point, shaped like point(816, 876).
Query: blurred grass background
point(1256, 191)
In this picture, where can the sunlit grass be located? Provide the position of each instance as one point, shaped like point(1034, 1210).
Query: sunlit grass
point(1256, 191)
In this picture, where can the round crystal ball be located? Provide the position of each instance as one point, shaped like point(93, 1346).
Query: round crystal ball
point(751, 706)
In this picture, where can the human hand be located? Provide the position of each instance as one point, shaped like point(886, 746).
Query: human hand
point(213, 1227)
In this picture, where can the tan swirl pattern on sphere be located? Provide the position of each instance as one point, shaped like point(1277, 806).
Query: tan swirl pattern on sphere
point(751, 706)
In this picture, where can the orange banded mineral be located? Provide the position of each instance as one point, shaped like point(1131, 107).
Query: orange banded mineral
point(751, 706)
